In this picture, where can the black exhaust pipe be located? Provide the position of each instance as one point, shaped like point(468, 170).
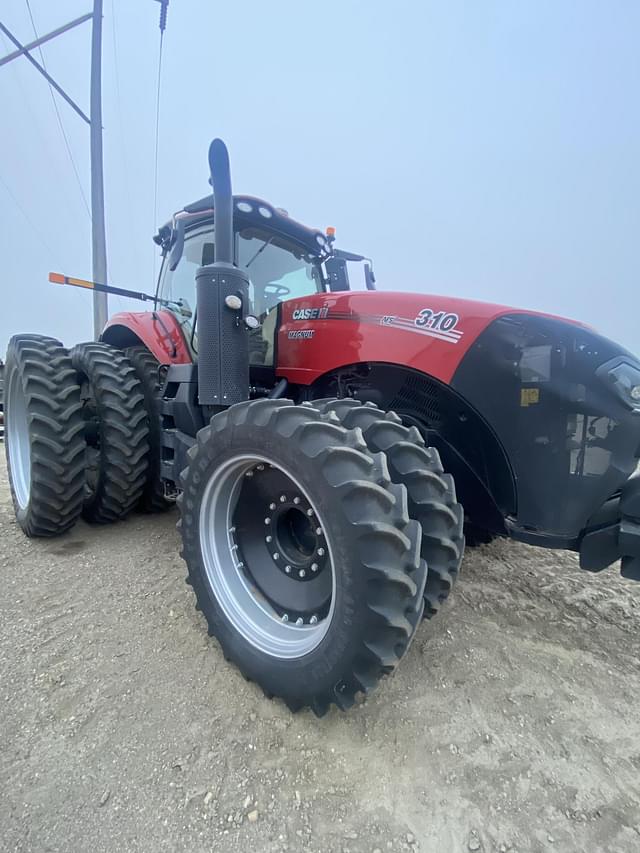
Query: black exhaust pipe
point(222, 338)
point(222, 201)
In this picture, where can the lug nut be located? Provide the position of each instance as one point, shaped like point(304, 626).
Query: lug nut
point(234, 547)
point(320, 552)
point(301, 573)
point(268, 538)
point(260, 467)
point(249, 474)
point(314, 567)
point(276, 556)
point(313, 620)
point(287, 569)
point(232, 530)
point(318, 531)
point(299, 620)
point(283, 499)
point(272, 507)
point(309, 512)
point(267, 521)
point(284, 617)
point(296, 500)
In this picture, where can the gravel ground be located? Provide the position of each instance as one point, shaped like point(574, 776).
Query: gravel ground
point(511, 726)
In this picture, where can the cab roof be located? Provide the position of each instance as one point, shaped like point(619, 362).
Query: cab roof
point(248, 212)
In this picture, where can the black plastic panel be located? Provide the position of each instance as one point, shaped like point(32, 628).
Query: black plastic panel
point(223, 342)
point(570, 441)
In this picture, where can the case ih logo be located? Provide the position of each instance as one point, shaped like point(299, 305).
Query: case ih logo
point(310, 314)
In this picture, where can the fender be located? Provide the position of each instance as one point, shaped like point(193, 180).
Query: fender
point(428, 333)
point(159, 331)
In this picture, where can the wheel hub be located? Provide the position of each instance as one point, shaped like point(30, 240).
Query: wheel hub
point(297, 538)
point(270, 567)
point(289, 561)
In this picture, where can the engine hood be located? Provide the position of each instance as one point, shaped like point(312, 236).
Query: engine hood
point(427, 332)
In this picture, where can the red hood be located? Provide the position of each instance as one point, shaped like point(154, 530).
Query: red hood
point(431, 333)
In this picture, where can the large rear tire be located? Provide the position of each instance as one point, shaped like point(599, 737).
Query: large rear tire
point(116, 432)
point(146, 368)
point(44, 439)
point(300, 552)
point(431, 492)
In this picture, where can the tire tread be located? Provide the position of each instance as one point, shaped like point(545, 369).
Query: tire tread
point(52, 395)
point(123, 431)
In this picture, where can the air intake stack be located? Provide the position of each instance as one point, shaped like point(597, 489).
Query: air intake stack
point(223, 343)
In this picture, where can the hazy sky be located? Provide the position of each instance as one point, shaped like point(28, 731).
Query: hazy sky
point(483, 149)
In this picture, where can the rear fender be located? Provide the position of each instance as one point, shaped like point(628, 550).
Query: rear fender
point(159, 331)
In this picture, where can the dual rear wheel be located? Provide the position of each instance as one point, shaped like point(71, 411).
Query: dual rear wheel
point(77, 434)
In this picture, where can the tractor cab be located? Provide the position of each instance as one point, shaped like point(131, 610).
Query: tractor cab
point(282, 259)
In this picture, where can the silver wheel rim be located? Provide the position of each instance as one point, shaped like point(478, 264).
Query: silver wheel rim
point(17, 439)
point(241, 601)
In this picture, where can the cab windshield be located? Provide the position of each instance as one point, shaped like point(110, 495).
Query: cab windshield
point(278, 269)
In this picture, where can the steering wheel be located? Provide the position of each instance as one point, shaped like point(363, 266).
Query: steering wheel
point(277, 290)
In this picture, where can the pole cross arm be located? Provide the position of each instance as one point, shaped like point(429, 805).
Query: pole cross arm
point(43, 39)
point(23, 50)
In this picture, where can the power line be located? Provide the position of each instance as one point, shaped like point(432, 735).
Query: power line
point(59, 117)
point(28, 219)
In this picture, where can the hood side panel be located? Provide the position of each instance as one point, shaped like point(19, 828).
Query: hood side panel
point(571, 442)
point(324, 331)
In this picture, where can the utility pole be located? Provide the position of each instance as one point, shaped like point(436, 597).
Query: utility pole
point(98, 233)
point(98, 236)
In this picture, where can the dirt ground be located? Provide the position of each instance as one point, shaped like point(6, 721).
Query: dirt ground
point(512, 725)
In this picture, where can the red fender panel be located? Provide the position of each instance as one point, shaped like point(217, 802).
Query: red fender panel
point(159, 331)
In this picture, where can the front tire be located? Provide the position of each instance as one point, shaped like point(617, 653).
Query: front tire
point(329, 615)
point(44, 435)
point(431, 492)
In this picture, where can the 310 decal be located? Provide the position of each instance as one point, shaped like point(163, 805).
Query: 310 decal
point(441, 320)
point(440, 324)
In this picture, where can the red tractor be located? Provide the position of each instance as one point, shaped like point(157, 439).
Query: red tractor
point(305, 430)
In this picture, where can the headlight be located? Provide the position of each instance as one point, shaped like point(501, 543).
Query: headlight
point(624, 379)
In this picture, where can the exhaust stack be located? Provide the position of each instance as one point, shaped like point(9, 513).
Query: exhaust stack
point(222, 337)
point(222, 201)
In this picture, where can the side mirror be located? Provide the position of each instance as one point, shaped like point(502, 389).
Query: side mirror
point(369, 276)
point(178, 245)
point(337, 274)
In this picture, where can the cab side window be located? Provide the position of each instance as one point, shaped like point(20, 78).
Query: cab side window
point(181, 282)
